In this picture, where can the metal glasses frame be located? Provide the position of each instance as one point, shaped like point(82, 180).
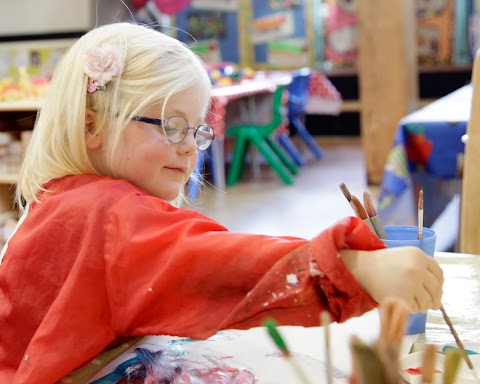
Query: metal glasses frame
point(163, 123)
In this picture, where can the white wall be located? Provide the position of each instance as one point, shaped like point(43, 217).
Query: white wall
point(25, 17)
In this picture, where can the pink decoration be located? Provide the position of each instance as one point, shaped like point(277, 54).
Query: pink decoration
point(102, 64)
point(91, 87)
point(172, 7)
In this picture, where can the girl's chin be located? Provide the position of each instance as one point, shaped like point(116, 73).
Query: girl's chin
point(169, 194)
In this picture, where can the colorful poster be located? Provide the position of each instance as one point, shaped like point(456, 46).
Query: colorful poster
point(290, 52)
point(435, 23)
point(210, 31)
point(341, 33)
point(206, 24)
point(272, 27)
point(280, 34)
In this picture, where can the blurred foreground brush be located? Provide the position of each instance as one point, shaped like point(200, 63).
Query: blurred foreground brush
point(452, 362)
point(428, 363)
point(379, 363)
point(325, 320)
point(368, 367)
point(280, 343)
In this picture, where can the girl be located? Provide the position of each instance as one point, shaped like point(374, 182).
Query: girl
point(101, 252)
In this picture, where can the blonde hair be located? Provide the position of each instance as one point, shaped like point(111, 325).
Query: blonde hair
point(156, 67)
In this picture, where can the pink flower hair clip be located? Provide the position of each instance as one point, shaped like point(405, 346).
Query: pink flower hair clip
point(101, 65)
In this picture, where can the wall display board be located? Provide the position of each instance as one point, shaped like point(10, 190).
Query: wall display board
point(211, 29)
point(441, 32)
point(282, 34)
point(273, 34)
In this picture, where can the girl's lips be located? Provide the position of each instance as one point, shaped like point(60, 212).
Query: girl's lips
point(179, 170)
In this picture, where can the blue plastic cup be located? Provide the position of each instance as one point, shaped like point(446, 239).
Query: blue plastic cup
point(406, 235)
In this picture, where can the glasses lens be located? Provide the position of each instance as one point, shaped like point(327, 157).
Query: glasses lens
point(204, 136)
point(176, 128)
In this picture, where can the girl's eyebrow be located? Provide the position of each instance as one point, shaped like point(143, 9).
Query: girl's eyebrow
point(177, 112)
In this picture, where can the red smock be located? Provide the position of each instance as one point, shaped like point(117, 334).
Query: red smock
point(99, 259)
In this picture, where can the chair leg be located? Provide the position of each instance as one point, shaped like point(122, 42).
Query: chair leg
point(216, 161)
point(236, 166)
point(290, 148)
point(196, 178)
point(272, 159)
point(282, 156)
point(306, 136)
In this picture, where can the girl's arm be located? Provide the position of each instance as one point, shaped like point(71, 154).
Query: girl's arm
point(177, 272)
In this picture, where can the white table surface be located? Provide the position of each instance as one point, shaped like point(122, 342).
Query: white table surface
point(255, 351)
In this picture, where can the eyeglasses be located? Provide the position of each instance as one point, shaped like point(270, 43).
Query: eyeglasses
point(176, 129)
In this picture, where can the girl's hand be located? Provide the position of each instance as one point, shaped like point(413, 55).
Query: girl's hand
point(405, 272)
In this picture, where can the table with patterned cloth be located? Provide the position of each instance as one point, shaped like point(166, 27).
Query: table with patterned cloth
point(424, 155)
point(225, 111)
point(324, 99)
point(251, 91)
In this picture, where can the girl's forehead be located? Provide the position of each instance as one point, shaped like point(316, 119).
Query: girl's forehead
point(188, 103)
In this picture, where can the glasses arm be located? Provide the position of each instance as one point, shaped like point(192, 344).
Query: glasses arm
point(148, 120)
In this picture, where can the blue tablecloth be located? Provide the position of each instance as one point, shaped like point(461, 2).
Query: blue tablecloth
point(424, 156)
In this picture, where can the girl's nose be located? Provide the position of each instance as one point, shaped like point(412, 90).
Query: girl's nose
point(189, 144)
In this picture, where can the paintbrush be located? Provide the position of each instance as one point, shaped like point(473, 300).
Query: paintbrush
point(420, 215)
point(348, 196)
point(362, 213)
point(394, 313)
point(280, 343)
point(373, 215)
point(325, 320)
point(461, 348)
point(367, 365)
point(428, 363)
point(452, 362)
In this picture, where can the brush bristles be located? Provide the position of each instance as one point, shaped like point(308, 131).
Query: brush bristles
point(420, 215)
point(362, 213)
point(346, 192)
point(369, 206)
point(420, 199)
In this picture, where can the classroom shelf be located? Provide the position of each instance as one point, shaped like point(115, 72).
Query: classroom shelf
point(20, 106)
point(8, 178)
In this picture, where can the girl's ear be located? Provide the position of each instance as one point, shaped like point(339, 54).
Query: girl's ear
point(92, 141)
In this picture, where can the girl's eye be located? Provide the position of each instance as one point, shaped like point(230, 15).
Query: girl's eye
point(170, 131)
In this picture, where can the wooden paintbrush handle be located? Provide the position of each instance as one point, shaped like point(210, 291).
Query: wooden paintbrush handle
point(461, 348)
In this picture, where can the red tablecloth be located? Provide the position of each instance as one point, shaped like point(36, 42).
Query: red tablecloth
point(323, 96)
point(222, 95)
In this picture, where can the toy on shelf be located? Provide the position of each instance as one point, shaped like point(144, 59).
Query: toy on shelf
point(23, 87)
point(229, 73)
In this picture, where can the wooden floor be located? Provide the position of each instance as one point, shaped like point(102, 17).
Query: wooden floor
point(264, 204)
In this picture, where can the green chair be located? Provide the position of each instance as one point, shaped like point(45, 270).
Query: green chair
point(262, 137)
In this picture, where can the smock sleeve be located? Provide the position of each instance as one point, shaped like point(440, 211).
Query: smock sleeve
point(176, 272)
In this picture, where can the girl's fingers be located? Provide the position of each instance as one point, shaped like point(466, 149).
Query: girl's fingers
point(433, 288)
point(434, 268)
